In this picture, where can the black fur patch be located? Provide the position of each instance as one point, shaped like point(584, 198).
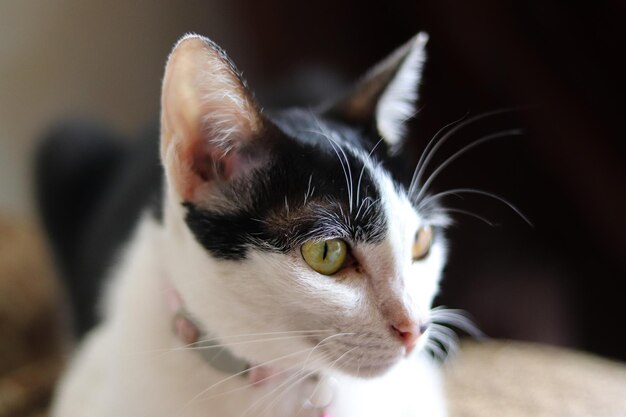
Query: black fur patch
point(308, 191)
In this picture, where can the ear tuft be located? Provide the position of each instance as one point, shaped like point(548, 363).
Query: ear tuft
point(397, 103)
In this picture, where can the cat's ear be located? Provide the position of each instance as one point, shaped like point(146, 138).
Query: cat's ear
point(387, 94)
point(209, 119)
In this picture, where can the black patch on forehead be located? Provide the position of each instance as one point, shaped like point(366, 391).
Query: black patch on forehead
point(224, 235)
point(301, 194)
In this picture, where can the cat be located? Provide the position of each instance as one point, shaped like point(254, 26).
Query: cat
point(286, 270)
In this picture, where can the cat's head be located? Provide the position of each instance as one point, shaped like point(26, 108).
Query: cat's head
point(288, 226)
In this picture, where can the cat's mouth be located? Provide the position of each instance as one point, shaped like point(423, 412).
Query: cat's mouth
point(363, 359)
point(371, 369)
point(367, 367)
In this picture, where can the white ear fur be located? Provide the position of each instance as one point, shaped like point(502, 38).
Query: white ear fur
point(387, 94)
point(397, 102)
point(206, 115)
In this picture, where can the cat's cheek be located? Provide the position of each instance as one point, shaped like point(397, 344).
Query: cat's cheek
point(422, 278)
point(327, 300)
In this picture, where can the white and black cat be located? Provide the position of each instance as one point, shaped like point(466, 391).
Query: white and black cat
point(286, 271)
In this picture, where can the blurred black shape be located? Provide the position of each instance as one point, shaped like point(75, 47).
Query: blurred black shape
point(92, 185)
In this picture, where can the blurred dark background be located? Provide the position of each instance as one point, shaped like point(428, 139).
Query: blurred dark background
point(558, 64)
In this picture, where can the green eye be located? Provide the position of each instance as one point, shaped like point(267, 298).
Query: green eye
point(423, 241)
point(326, 256)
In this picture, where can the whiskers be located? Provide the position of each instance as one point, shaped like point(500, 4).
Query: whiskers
point(459, 191)
point(212, 343)
point(443, 340)
point(418, 190)
point(226, 341)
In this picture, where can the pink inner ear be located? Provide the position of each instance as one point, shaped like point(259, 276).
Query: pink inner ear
point(230, 165)
point(212, 164)
point(208, 116)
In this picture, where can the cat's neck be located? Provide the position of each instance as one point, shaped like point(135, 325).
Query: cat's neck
point(134, 302)
point(145, 298)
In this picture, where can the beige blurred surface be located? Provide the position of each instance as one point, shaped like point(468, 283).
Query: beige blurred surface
point(515, 379)
point(99, 59)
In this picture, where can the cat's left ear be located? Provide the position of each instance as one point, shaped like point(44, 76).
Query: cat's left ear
point(387, 94)
point(211, 126)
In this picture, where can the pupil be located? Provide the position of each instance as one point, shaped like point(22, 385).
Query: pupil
point(325, 251)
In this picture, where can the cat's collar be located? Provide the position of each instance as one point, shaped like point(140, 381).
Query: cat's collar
point(190, 332)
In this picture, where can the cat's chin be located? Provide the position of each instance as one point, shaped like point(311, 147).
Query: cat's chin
point(370, 371)
point(365, 370)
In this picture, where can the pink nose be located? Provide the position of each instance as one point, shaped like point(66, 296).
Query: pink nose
point(409, 333)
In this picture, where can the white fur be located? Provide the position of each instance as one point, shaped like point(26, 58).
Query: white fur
point(397, 103)
point(129, 365)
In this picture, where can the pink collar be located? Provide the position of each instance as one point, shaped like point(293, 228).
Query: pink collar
point(188, 331)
